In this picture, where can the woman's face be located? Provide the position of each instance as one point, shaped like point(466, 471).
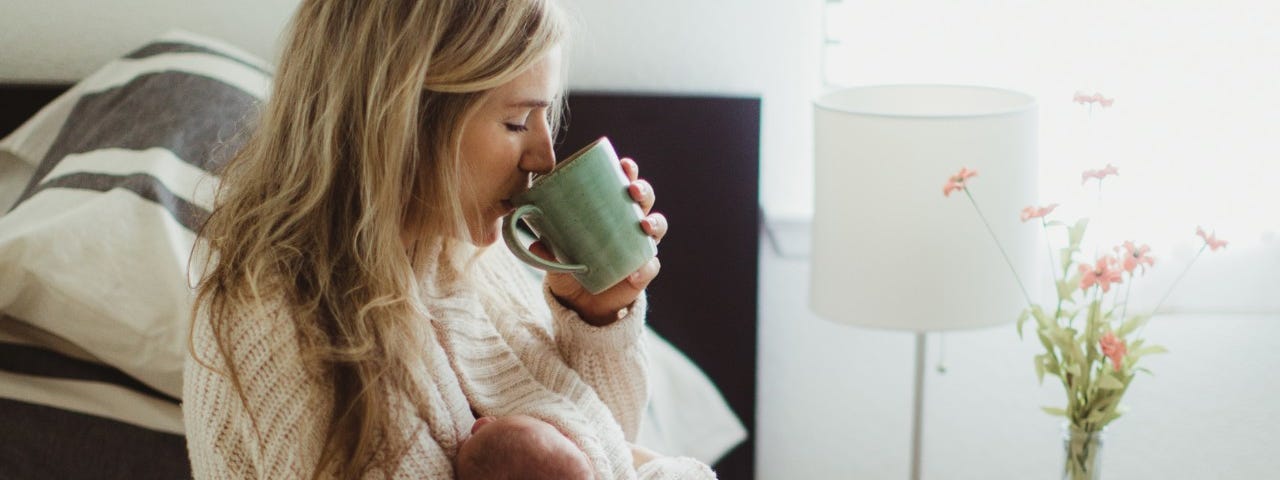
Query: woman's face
point(506, 140)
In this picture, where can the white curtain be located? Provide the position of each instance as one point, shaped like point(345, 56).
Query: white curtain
point(1194, 129)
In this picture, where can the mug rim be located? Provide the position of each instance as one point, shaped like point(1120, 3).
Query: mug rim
point(567, 163)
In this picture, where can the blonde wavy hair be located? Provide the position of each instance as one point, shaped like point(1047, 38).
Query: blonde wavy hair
point(357, 146)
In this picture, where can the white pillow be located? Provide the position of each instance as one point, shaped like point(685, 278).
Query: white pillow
point(96, 248)
point(14, 175)
point(686, 415)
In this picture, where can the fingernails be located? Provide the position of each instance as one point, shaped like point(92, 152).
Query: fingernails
point(649, 268)
point(653, 224)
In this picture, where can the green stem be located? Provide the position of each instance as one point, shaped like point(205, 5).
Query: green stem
point(1090, 355)
point(1053, 269)
point(1174, 285)
point(1179, 279)
point(1124, 307)
point(1000, 246)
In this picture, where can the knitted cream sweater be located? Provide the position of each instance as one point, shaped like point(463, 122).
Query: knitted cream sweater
point(511, 354)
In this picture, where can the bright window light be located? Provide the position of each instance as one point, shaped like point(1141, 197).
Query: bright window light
point(1195, 125)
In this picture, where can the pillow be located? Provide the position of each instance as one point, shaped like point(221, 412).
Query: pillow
point(14, 175)
point(686, 415)
point(96, 248)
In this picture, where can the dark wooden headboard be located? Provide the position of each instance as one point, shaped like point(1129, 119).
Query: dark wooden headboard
point(702, 156)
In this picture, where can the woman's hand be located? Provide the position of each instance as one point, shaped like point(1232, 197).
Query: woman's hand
point(603, 308)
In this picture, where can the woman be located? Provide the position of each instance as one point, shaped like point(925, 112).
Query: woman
point(352, 321)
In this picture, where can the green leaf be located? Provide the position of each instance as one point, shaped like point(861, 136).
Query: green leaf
point(1022, 318)
point(1073, 369)
point(1067, 288)
point(1112, 416)
point(1133, 323)
point(1136, 344)
point(1076, 233)
point(1040, 368)
point(1042, 320)
point(1150, 350)
point(1054, 411)
point(1065, 254)
point(1044, 334)
point(1107, 381)
point(1095, 417)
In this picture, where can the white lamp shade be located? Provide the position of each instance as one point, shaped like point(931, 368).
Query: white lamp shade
point(889, 250)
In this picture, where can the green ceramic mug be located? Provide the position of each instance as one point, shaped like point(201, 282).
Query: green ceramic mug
point(583, 212)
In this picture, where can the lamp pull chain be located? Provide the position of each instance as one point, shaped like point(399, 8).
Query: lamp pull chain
point(942, 353)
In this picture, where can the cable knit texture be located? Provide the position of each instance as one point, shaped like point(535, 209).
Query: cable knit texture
point(675, 468)
point(513, 351)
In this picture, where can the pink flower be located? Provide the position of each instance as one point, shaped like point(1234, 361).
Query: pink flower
point(1114, 348)
point(1099, 174)
point(1083, 99)
point(1135, 256)
point(1210, 240)
point(1031, 212)
point(956, 182)
point(1103, 274)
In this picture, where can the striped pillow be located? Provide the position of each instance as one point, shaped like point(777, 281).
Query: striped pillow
point(94, 294)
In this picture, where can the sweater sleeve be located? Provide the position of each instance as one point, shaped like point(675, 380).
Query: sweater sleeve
point(612, 359)
point(675, 468)
point(278, 429)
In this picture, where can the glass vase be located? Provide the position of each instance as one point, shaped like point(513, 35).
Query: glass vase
point(1082, 459)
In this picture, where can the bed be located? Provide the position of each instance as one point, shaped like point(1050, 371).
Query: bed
point(77, 402)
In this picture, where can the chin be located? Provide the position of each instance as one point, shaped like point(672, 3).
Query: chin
point(486, 235)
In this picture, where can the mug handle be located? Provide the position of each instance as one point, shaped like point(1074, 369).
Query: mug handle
point(511, 237)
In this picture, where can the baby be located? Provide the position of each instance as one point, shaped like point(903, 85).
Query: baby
point(520, 447)
point(525, 448)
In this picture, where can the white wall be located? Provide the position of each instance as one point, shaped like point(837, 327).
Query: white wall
point(835, 400)
point(64, 40)
point(765, 48)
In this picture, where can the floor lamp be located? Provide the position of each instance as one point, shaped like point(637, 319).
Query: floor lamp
point(889, 251)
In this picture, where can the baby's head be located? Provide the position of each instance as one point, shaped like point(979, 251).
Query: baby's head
point(520, 447)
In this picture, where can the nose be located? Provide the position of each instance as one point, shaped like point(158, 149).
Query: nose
point(538, 156)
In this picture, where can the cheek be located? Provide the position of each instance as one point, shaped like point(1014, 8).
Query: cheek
point(489, 171)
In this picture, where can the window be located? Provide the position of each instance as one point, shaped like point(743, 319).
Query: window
point(1194, 129)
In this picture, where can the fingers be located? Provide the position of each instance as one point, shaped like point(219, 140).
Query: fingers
point(631, 169)
point(540, 249)
point(643, 194)
point(641, 190)
point(640, 279)
point(656, 226)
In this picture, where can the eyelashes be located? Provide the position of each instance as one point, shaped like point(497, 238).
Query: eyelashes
point(516, 128)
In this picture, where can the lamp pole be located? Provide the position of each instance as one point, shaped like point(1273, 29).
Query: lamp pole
point(917, 410)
